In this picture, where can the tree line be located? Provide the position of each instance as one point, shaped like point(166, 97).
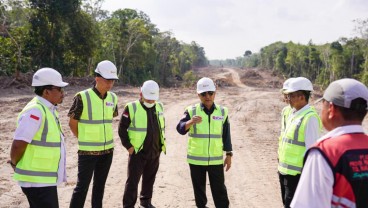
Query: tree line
point(72, 36)
point(344, 58)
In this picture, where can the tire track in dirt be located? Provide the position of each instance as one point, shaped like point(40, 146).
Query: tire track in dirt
point(252, 181)
point(236, 78)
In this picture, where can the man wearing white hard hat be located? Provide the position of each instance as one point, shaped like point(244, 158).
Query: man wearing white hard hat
point(335, 169)
point(285, 112)
point(303, 127)
point(90, 120)
point(209, 137)
point(142, 133)
point(38, 149)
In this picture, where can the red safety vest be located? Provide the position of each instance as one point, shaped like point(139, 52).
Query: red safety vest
point(347, 156)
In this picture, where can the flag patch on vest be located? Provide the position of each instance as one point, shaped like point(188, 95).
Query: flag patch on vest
point(35, 117)
point(126, 114)
point(160, 113)
point(217, 117)
point(109, 104)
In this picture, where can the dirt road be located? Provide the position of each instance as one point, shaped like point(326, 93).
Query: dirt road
point(251, 182)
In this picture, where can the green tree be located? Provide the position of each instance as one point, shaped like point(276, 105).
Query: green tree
point(128, 28)
point(47, 34)
point(13, 33)
point(315, 62)
point(280, 60)
point(167, 58)
point(80, 44)
point(247, 53)
point(94, 9)
point(337, 61)
point(362, 30)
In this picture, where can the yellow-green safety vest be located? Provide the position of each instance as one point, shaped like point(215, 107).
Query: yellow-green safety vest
point(284, 117)
point(137, 130)
point(292, 148)
point(205, 146)
point(40, 161)
point(95, 131)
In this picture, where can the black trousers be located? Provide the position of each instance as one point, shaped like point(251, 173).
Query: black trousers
point(288, 184)
point(139, 166)
point(88, 165)
point(217, 184)
point(42, 196)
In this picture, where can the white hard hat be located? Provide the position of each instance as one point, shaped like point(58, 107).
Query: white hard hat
point(150, 90)
point(299, 83)
point(286, 83)
point(205, 84)
point(107, 70)
point(47, 76)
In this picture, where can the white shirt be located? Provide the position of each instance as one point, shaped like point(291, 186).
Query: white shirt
point(315, 185)
point(28, 125)
point(312, 128)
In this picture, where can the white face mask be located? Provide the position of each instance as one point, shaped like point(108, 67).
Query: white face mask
point(148, 105)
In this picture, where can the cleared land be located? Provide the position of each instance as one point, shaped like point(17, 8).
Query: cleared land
point(254, 103)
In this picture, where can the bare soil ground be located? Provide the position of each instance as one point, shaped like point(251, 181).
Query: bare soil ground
point(254, 103)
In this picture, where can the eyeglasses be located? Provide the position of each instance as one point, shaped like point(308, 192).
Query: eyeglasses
point(60, 89)
point(210, 93)
point(292, 95)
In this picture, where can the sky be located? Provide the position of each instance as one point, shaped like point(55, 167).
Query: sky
point(227, 28)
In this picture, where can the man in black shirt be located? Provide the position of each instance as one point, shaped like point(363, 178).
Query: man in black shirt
point(141, 131)
point(209, 135)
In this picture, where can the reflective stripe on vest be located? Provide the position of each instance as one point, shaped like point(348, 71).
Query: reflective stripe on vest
point(206, 159)
point(294, 141)
point(45, 146)
point(284, 116)
point(89, 106)
point(338, 202)
point(205, 136)
point(205, 145)
point(43, 142)
point(290, 167)
point(137, 130)
point(95, 125)
point(133, 122)
point(292, 147)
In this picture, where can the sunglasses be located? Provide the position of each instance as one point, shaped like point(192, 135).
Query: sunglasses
point(210, 93)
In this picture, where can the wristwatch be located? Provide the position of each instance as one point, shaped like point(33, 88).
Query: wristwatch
point(229, 154)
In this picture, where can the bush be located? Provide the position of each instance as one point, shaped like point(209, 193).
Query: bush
point(189, 78)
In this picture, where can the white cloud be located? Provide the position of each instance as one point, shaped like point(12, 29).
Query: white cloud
point(226, 28)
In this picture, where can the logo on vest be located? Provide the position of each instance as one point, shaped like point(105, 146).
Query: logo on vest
point(109, 104)
point(218, 118)
point(358, 165)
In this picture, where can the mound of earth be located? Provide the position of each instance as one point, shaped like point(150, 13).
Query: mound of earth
point(260, 78)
